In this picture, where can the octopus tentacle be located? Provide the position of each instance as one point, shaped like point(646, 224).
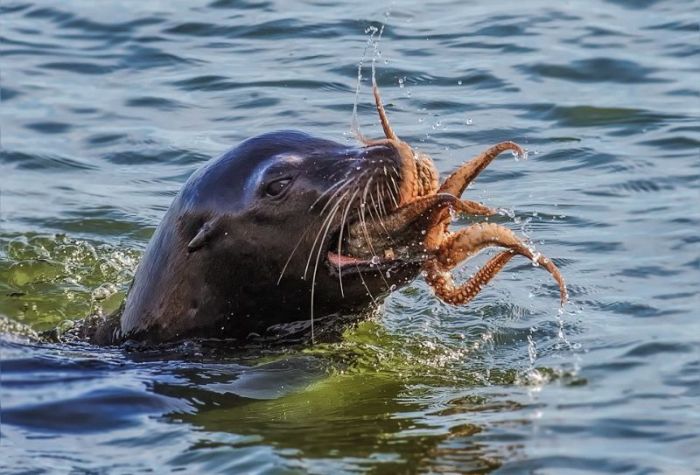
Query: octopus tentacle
point(430, 212)
point(458, 181)
point(445, 288)
point(440, 220)
point(418, 174)
point(465, 243)
point(388, 131)
point(473, 207)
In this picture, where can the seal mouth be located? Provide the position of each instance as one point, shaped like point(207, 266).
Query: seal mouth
point(372, 252)
point(339, 257)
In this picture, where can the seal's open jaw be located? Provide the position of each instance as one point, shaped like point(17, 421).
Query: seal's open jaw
point(346, 265)
point(379, 257)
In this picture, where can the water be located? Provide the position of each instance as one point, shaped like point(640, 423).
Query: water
point(107, 107)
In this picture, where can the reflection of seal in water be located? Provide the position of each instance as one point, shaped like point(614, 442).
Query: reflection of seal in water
point(248, 242)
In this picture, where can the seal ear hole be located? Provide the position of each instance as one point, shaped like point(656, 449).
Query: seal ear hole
point(277, 187)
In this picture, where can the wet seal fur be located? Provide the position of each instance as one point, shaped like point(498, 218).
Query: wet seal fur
point(242, 250)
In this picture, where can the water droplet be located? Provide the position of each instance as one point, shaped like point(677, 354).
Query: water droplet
point(375, 260)
point(507, 212)
point(459, 82)
point(531, 349)
point(520, 156)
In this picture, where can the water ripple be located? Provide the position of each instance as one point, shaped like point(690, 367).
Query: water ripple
point(44, 162)
point(595, 70)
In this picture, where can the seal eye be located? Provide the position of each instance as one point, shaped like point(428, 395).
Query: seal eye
point(276, 187)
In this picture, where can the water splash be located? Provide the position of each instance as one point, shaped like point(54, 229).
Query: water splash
point(517, 156)
point(373, 41)
point(52, 278)
point(375, 36)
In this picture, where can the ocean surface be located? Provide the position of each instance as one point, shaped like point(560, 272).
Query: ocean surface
point(107, 107)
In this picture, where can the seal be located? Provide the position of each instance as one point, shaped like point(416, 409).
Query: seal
point(246, 243)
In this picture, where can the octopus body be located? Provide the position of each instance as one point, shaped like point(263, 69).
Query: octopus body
point(423, 215)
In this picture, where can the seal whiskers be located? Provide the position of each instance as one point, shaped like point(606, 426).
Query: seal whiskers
point(308, 229)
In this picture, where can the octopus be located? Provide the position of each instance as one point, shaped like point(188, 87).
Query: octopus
point(424, 213)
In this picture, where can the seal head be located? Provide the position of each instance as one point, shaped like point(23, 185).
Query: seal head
point(258, 237)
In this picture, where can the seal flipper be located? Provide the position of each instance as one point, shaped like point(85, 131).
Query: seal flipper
point(204, 234)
